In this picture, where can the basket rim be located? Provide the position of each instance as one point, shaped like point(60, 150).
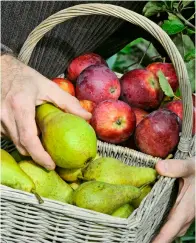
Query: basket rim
point(134, 18)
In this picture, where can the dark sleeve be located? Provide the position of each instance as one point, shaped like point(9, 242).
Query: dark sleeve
point(81, 34)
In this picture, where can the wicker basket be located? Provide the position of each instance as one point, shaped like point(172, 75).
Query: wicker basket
point(24, 220)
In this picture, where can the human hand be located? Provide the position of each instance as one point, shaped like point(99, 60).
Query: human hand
point(183, 212)
point(22, 89)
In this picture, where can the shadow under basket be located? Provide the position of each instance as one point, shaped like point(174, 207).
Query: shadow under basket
point(24, 220)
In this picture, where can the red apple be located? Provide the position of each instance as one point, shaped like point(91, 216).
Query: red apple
point(113, 121)
point(65, 84)
point(78, 64)
point(168, 70)
point(97, 83)
point(140, 88)
point(177, 107)
point(88, 105)
point(139, 114)
point(158, 133)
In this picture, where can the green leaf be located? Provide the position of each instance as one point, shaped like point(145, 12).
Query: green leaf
point(183, 43)
point(173, 25)
point(190, 55)
point(186, 2)
point(190, 31)
point(177, 93)
point(165, 86)
point(191, 73)
point(153, 7)
point(111, 61)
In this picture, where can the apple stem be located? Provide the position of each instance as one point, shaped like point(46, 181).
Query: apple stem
point(164, 59)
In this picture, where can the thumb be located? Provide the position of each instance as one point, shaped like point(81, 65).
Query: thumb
point(176, 168)
point(66, 102)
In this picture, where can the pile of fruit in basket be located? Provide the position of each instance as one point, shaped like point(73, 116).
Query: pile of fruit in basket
point(105, 184)
point(130, 111)
point(126, 111)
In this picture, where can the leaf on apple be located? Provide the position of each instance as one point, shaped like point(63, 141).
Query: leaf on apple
point(165, 86)
point(173, 25)
point(153, 7)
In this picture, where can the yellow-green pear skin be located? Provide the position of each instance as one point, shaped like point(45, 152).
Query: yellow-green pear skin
point(18, 157)
point(113, 171)
point(69, 174)
point(69, 139)
point(124, 211)
point(12, 175)
point(48, 183)
point(144, 192)
point(74, 185)
point(104, 197)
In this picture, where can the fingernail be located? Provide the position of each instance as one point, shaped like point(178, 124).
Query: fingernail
point(163, 166)
point(49, 167)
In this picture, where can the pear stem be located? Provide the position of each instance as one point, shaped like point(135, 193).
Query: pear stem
point(40, 200)
point(169, 156)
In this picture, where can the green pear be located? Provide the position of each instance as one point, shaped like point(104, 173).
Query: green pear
point(12, 175)
point(113, 171)
point(48, 183)
point(124, 211)
point(18, 157)
point(104, 197)
point(69, 139)
point(69, 174)
point(75, 184)
point(144, 192)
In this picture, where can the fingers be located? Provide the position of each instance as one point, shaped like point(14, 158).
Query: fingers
point(179, 218)
point(66, 101)
point(175, 168)
point(27, 130)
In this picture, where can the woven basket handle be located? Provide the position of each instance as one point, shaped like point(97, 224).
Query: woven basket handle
point(134, 18)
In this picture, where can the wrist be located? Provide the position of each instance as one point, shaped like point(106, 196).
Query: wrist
point(5, 50)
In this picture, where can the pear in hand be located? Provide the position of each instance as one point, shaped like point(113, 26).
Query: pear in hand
point(69, 139)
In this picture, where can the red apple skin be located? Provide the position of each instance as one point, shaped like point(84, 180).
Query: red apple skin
point(88, 105)
point(113, 121)
point(177, 107)
point(168, 70)
point(97, 83)
point(139, 114)
point(158, 133)
point(78, 64)
point(65, 84)
point(140, 88)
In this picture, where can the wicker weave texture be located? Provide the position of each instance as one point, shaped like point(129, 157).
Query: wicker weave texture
point(24, 220)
